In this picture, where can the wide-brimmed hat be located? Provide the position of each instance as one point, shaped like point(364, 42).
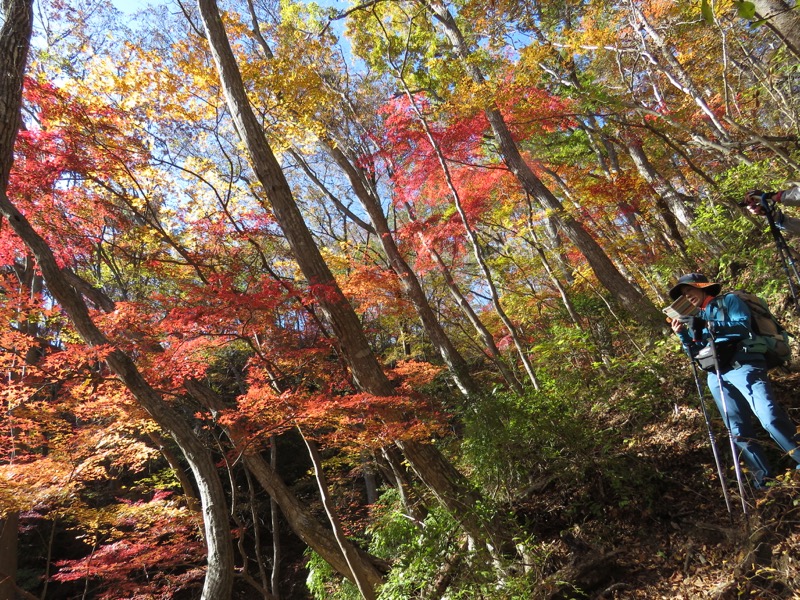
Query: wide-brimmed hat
point(697, 280)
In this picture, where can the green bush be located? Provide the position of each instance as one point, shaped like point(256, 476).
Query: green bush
point(508, 438)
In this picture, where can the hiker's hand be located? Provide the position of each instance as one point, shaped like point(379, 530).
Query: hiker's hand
point(678, 325)
point(752, 200)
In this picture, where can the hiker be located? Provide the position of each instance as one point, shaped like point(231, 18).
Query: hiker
point(787, 197)
point(744, 374)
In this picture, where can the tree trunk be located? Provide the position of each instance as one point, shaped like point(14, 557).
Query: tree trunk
point(219, 577)
point(9, 534)
point(366, 371)
point(783, 19)
point(490, 347)
point(673, 70)
point(636, 303)
point(365, 588)
point(300, 519)
point(15, 39)
point(14, 43)
point(192, 501)
point(472, 236)
point(408, 279)
point(661, 186)
point(394, 470)
point(370, 480)
point(454, 493)
point(274, 513)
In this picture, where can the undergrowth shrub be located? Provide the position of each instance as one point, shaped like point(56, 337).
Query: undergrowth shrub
point(507, 437)
point(736, 181)
point(324, 582)
point(418, 553)
point(421, 552)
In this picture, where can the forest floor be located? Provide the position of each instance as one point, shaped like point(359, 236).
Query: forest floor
point(664, 531)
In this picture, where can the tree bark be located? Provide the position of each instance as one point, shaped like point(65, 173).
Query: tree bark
point(9, 535)
point(14, 44)
point(636, 303)
point(366, 371)
point(15, 39)
point(783, 19)
point(408, 279)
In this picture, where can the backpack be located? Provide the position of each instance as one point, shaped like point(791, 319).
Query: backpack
point(768, 331)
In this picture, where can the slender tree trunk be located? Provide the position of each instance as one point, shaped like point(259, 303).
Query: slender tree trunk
point(9, 535)
point(366, 590)
point(308, 528)
point(673, 70)
point(674, 201)
point(784, 19)
point(300, 519)
point(483, 333)
point(638, 305)
point(274, 511)
point(370, 480)
point(366, 371)
point(192, 502)
point(562, 292)
point(395, 471)
point(599, 149)
point(14, 43)
point(472, 236)
point(408, 279)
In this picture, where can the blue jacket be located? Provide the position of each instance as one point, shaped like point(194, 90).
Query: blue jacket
point(729, 319)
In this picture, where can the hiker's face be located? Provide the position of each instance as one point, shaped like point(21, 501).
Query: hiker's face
point(694, 295)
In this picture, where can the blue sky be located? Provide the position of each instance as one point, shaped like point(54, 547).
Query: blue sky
point(131, 6)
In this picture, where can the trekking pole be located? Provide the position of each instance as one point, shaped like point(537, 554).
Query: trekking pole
point(712, 438)
point(784, 252)
point(723, 401)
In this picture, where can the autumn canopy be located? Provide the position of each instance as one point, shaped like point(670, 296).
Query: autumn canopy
point(302, 300)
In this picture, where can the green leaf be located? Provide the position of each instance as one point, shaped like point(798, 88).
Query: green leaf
point(747, 10)
point(707, 12)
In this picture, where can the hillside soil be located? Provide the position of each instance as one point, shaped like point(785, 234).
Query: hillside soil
point(664, 531)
